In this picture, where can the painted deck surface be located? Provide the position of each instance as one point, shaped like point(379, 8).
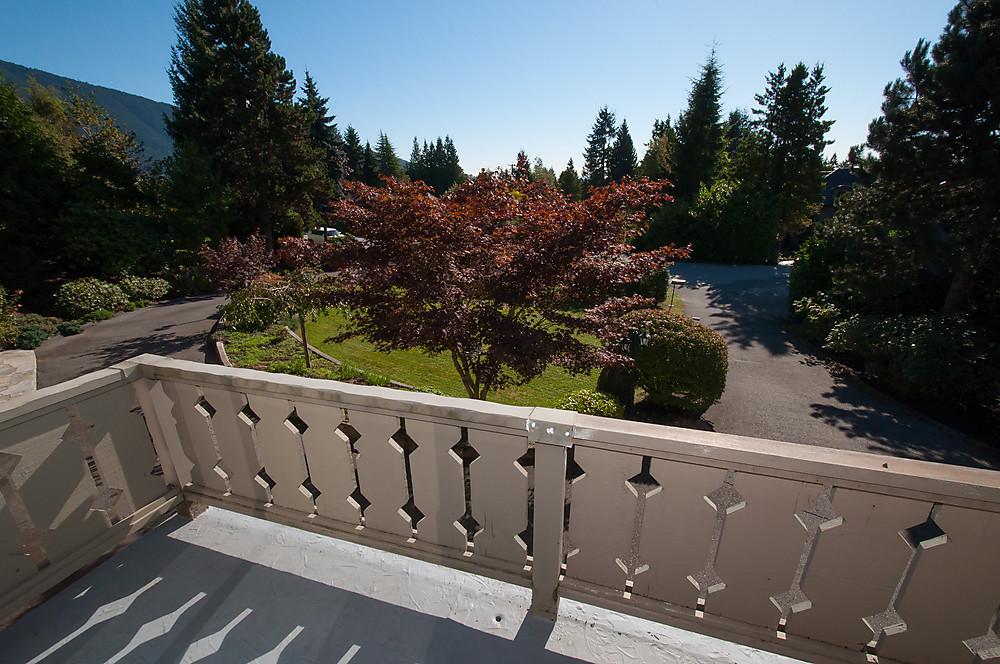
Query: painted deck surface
point(229, 588)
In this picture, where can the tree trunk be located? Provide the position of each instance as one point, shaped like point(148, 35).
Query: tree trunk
point(958, 291)
point(305, 343)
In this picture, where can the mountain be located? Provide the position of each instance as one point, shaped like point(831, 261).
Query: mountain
point(138, 114)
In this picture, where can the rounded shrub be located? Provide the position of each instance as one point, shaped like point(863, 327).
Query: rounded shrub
point(31, 337)
point(681, 364)
point(76, 299)
point(143, 288)
point(590, 402)
point(69, 328)
point(99, 315)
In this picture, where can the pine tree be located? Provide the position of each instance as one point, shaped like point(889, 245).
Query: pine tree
point(790, 114)
point(656, 162)
point(937, 165)
point(323, 134)
point(570, 183)
point(386, 162)
point(453, 170)
point(233, 97)
point(695, 158)
point(597, 156)
point(369, 167)
point(622, 160)
point(521, 169)
point(354, 153)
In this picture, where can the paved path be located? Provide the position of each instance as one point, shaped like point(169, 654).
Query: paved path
point(777, 389)
point(175, 328)
point(17, 373)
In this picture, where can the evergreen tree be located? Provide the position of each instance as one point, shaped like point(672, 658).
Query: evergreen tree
point(521, 169)
point(738, 127)
point(415, 169)
point(597, 156)
point(453, 170)
point(570, 183)
point(234, 98)
point(386, 162)
point(656, 162)
point(541, 173)
point(369, 167)
point(622, 160)
point(790, 114)
point(323, 134)
point(354, 153)
point(695, 158)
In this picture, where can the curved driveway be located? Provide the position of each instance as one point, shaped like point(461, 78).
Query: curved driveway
point(777, 389)
point(174, 328)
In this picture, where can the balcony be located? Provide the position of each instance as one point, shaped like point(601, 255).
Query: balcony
point(367, 524)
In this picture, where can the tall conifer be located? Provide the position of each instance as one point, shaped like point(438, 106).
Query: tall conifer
point(233, 97)
point(622, 160)
point(597, 156)
point(695, 158)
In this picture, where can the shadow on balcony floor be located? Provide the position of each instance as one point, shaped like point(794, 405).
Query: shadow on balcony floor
point(229, 588)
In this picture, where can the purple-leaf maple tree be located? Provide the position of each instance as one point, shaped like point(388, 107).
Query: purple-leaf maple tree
point(501, 274)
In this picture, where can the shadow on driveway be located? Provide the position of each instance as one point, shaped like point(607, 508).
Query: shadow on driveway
point(175, 328)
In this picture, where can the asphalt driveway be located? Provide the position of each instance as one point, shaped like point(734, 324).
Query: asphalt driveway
point(777, 389)
point(174, 328)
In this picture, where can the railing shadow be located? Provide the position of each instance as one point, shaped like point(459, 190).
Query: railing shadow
point(165, 600)
point(896, 432)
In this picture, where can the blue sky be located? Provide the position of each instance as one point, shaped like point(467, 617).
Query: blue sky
point(500, 77)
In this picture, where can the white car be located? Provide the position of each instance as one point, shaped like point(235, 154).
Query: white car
point(321, 235)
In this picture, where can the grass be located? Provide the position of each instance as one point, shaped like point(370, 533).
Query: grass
point(275, 351)
point(416, 368)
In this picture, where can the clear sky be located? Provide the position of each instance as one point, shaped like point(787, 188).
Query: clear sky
point(500, 77)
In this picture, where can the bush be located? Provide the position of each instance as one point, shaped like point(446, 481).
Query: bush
point(817, 316)
point(69, 328)
point(681, 364)
point(30, 337)
point(47, 323)
point(590, 402)
point(925, 356)
point(617, 382)
point(94, 316)
point(83, 296)
point(143, 288)
point(9, 319)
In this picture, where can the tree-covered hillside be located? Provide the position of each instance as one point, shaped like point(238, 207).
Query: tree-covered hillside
point(140, 115)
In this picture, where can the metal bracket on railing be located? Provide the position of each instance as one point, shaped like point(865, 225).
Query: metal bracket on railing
point(551, 426)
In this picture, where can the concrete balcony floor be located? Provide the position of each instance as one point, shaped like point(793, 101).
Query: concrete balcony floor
point(226, 588)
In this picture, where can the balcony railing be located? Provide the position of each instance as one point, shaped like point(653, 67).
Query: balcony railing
point(820, 554)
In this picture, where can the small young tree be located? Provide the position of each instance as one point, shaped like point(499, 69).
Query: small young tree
point(258, 297)
point(488, 274)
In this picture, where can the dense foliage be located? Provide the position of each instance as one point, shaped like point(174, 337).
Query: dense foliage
point(590, 402)
point(488, 273)
point(740, 184)
point(77, 298)
point(680, 363)
point(234, 99)
point(436, 165)
point(910, 264)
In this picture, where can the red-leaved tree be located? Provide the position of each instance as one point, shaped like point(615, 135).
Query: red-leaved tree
point(501, 274)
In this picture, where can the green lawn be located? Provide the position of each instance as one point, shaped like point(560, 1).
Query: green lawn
point(420, 370)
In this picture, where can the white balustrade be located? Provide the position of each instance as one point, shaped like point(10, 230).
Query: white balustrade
point(816, 553)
